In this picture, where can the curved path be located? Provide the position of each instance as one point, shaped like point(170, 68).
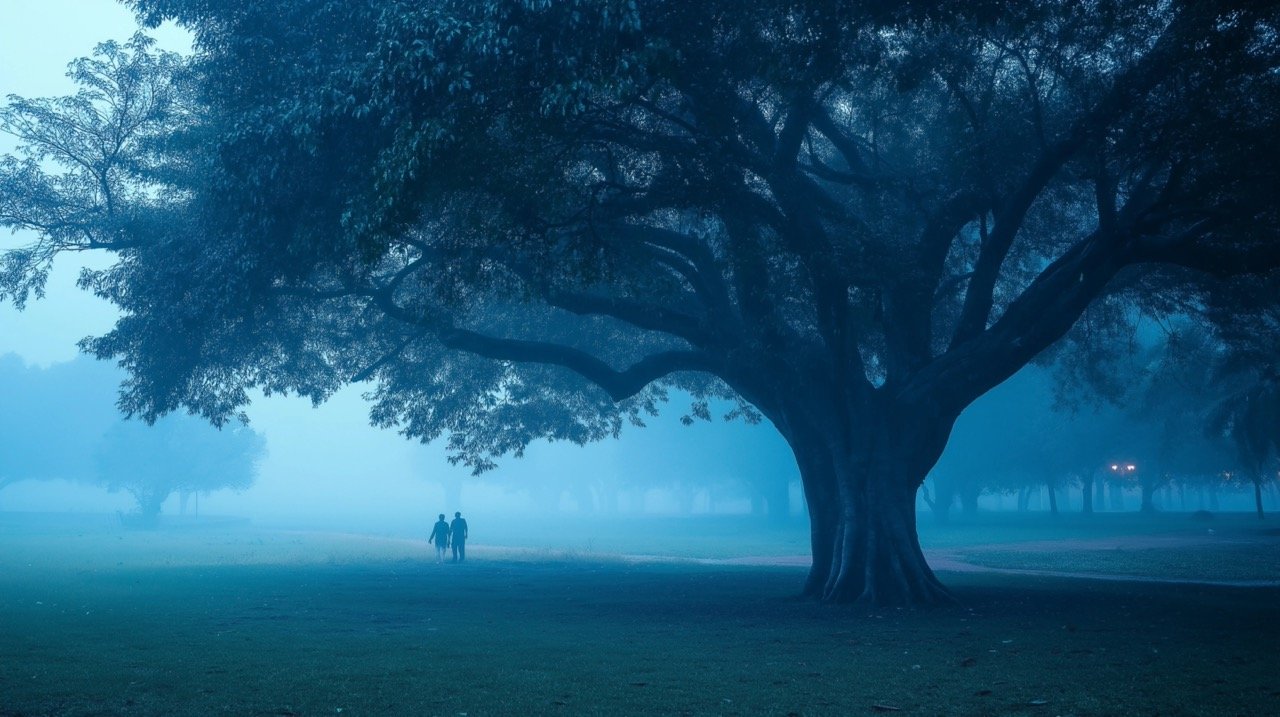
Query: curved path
point(952, 560)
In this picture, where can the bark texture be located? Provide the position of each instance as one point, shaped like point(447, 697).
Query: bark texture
point(860, 482)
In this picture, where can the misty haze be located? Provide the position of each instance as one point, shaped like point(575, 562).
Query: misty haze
point(576, 357)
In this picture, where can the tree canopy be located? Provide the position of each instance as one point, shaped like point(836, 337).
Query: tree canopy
point(526, 219)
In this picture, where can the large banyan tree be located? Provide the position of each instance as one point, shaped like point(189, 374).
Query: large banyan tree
point(525, 219)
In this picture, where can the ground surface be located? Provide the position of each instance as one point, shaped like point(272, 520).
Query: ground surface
point(234, 619)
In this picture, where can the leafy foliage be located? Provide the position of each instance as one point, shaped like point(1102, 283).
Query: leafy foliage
point(94, 169)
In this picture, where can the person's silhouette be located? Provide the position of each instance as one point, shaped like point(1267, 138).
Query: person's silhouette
point(440, 536)
point(458, 537)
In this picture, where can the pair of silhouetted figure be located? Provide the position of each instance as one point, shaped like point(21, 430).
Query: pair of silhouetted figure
point(453, 534)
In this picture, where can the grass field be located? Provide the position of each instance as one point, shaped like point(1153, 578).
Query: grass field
point(1234, 561)
point(240, 620)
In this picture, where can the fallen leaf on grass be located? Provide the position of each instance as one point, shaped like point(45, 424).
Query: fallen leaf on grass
point(886, 708)
point(1038, 703)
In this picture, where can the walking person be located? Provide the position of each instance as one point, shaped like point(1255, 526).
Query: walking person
point(458, 537)
point(440, 536)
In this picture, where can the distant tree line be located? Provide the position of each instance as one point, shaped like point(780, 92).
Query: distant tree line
point(1197, 410)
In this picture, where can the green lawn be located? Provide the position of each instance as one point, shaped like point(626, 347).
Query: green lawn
point(242, 621)
point(996, 528)
point(1228, 561)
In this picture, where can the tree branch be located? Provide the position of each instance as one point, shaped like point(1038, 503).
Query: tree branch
point(648, 317)
point(1041, 315)
point(1221, 261)
point(1140, 77)
point(910, 300)
point(845, 145)
point(385, 359)
point(620, 385)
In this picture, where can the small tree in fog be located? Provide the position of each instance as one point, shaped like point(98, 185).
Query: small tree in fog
point(528, 220)
point(176, 454)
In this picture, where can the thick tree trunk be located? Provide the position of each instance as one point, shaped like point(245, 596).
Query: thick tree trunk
point(867, 551)
point(1257, 498)
point(1024, 499)
point(1086, 492)
point(1117, 495)
point(863, 519)
point(1053, 499)
point(778, 500)
point(944, 496)
point(150, 501)
point(1148, 495)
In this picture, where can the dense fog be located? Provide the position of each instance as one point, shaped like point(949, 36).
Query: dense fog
point(1048, 440)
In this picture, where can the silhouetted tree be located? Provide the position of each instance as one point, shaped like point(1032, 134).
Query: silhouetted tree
point(176, 454)
point(529, 219)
